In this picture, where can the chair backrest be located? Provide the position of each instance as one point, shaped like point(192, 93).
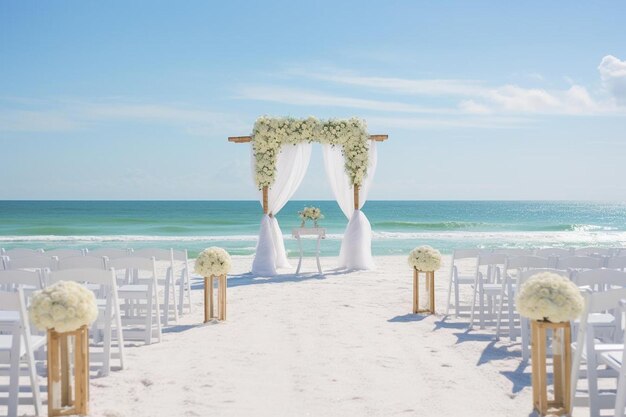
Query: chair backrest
point(600, 301)
point(65, 253)
point(552, 252)
point(527, 261)
point(82, 262)
point(10, 280)
point(86, 275)
point(592, 251)
point(618, 262)
point(600, 279)
point(491, 259)
point(525, 275)
point(16, 302)
point(110, 253)
point(39, 261)
point(156, 253)
point(580, 262)
point(180, 255)
point(514, 251)
point(465, 253)
point(133, 262)
point(21, 252)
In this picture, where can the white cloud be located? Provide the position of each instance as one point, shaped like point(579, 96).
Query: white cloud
point(36, 121)
point(311, 98)
point(477, 97)
point(70, 115)
point(613, 75)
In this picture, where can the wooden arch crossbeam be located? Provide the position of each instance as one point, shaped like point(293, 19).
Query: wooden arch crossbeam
point(246, 139)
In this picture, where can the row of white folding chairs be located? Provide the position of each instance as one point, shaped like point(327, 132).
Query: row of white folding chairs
point(177, 274)
point(494, 261)
point(604, 359)
point(104, 284)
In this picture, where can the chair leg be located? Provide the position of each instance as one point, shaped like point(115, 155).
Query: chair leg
point(511, 301)
point(181, 293)
point(34, 383)
point(106, 362)
point(14, 379)
point(500, 308)
point(158, 313)
point(620, 400)
point(149, 312)
point(473, 307)
point(188, 284)
point(449, 295)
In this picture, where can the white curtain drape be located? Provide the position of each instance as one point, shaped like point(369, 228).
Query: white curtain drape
point(356, 246)
point(291, 166)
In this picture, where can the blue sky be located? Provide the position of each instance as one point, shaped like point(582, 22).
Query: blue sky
point(481, 100)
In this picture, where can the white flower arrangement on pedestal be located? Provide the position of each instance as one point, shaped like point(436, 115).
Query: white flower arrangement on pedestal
point(64, 306)
point(270, 133)
point(425, 258)
point(310, 213)
point(213, 261)
point(550, 297)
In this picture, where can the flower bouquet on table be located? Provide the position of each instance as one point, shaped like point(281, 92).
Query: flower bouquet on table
point(310, 213)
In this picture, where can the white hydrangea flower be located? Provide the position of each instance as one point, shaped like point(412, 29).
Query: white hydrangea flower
point(425, 258)
point(213, 261)
point(270, 133)
point(65, 306)
point(549, 296)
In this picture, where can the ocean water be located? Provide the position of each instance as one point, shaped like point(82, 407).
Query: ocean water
point(397, 226)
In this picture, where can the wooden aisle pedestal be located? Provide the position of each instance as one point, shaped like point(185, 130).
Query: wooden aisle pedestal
point(429, 285)
point(67, 395)
point(209, 310)
point(561, 345)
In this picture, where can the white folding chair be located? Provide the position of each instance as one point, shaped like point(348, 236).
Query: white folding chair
point(65, 253)
point(456, 279)
point(18, 345)
point(524, 322)
point(169, 288)
point(29, 281)
point(587, 348)
point(486, 285)
point(110, 253)
point(592, 251)
point(617, 262)
point(508, 289)
point(514, 251)
point(580, 263)
point(146, 314)
point(553, 254)
point(617, 361)
point(184, 281)
point(82, 262)
point(607, 325)
point(39, 263)
point(108, 306)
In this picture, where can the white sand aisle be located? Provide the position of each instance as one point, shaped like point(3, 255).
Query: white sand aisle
point(341, 345)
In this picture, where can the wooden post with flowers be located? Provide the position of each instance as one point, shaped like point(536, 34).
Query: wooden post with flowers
point(65, 310)
point(424, 260)
point(214, 263)
point(68, 354)
point(551, 302)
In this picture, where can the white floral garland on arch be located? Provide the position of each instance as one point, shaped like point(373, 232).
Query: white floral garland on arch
point(270, 133)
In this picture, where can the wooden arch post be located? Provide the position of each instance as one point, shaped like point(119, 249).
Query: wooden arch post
point(246, 139)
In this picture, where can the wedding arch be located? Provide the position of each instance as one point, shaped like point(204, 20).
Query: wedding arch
point(281, 150)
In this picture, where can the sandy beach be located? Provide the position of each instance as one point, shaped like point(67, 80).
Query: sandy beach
point(332, 345)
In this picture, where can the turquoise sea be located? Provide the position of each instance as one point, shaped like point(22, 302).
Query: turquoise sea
point(397, 226)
